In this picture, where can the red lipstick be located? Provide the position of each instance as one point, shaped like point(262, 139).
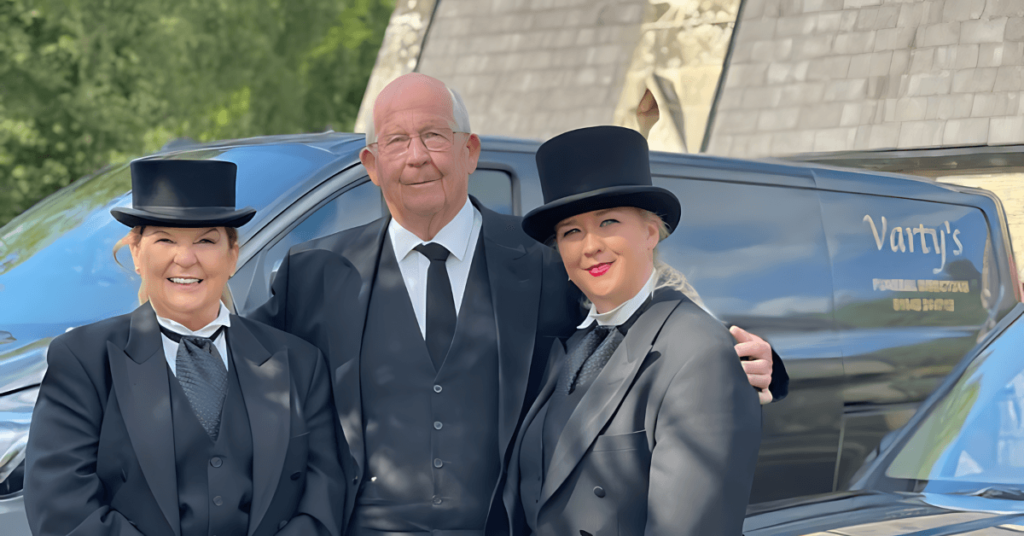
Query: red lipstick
point(600, 269)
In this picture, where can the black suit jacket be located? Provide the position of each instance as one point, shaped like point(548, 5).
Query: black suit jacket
point(663, 442)
point(100, 456)
point(322, 289)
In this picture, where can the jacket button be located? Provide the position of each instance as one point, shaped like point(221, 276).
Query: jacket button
point(437, 388)
point(437, 425)
point(599, 491)
point(216, 461)
point(438, 463)
point(437, 500)
point(218, 501)
point(296, 475)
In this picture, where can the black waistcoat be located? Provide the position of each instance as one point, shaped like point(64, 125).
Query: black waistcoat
point(214, 479)
point(431, 436)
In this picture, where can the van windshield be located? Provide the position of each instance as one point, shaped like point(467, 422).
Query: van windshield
point(57, 269)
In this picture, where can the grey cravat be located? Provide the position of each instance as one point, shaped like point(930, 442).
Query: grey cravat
point(589, 357)
point(203, 376)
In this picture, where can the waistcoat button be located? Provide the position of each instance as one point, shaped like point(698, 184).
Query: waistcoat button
point(438, 463)
point(599, 491)
point(216, 461)
point(218, 501)
point(437, 500)
point(437, 388)
point(437, 425)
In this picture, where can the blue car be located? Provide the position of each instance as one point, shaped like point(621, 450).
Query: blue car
point(871, 286)
point(956, 468)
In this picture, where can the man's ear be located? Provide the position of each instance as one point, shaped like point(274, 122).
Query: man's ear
point(473, 146)
point(369, 161)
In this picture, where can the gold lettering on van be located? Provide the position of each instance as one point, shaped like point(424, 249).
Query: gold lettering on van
point(920, 285)
point(937, 242)
point(923, 304)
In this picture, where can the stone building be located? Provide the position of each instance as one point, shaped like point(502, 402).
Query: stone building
point(536, 68)
point(929, 87)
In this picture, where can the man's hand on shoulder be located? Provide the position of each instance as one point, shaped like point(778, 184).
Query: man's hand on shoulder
point(756, 356)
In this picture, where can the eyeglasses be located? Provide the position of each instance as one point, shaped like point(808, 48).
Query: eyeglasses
point(435, 140)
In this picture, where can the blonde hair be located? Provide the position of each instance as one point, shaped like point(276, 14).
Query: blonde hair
point(665, 275)
point(134, 237)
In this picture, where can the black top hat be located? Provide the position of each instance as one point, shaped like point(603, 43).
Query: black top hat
point(183, 193)
point(593, 169)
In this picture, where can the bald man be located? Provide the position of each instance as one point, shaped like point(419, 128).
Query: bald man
point(436, 321)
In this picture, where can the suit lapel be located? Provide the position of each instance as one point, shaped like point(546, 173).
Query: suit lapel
point(514, 277)
point(604, 397)
point(345, 345)
point(555, 361)
point(265, 381)
point(140, 377)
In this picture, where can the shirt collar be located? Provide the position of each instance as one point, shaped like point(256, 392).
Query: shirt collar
point(625, 310)
point(223, 319)
point(454, 236)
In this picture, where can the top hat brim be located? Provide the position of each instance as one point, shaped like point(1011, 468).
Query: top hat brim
point(540, 222)
point(183, 217)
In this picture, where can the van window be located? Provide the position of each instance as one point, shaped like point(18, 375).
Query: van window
point(493, 188)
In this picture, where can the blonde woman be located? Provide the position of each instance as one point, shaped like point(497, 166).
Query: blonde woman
point(181, 419)
point(646, 423)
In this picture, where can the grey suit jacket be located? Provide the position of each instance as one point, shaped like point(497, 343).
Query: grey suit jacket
point(100, 457)
point(664, 441)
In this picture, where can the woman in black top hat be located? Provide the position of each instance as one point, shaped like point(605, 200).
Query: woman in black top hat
point(180, 418)
point(646, 423)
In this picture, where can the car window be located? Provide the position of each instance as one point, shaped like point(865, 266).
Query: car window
point(493, 188)
point(976, 432)
point(753, 253)
point(355, 206)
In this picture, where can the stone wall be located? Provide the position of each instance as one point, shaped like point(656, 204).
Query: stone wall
point(681, 48)
point(838, 75)
point(399, 52)
point(536, 68)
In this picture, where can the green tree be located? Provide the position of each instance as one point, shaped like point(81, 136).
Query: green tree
point(84, 83)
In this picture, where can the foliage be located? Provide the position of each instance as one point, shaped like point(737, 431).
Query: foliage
point(84, 83)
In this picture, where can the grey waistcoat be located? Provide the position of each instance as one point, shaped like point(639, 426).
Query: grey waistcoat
point(431, 436)
point(214, 479)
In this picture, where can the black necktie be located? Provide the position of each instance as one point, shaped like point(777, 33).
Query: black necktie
point(203, 376)
point(595, 349)
point(440, 303)
point(589, 356)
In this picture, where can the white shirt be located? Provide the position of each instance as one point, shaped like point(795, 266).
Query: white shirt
point(171, 347)
point(459, 237)
point(625, 310)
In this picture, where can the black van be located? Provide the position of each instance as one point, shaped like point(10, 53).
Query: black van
point(871, 286)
